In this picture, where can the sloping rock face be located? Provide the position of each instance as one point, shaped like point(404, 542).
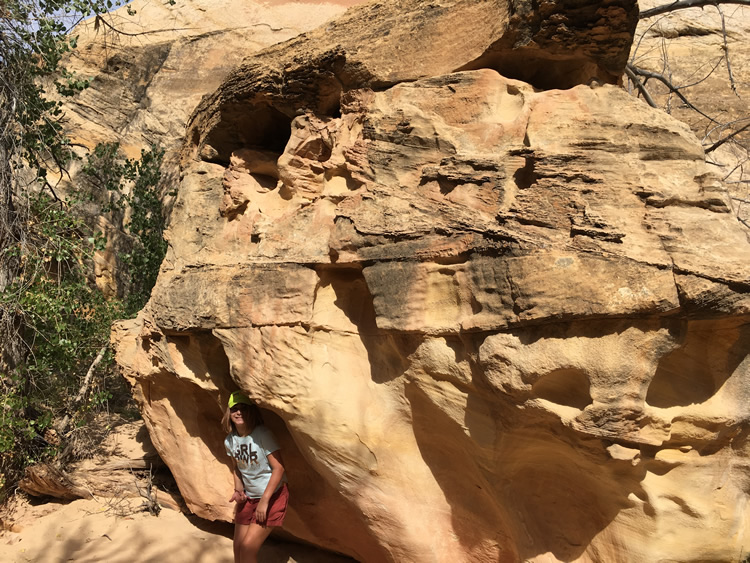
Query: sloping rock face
point(487, 321)
point(149, 70)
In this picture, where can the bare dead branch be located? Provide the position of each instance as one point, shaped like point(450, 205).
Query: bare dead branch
point(684, 86)
point(734, 169)
point(729, 137)
point(87, 380)
point(62, 428)
point(726, 125)
point(52, 191)
point(661, 78)
point(151, 504)
point(641, 87)
point(725, 47)
point(684, 4)
point(637, 46)
point(101, 21)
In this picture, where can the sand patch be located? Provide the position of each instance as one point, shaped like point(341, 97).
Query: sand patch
point(95, 530)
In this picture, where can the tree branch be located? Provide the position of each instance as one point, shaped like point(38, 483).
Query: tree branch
point(729, 137)
point(641, 87)
point(62, 428)
point(100, 20)
point(684, 4)
point(725, 47)
point(87, 380)
point(661, 78)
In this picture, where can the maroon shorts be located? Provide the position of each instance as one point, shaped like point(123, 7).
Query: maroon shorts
point(276, 509)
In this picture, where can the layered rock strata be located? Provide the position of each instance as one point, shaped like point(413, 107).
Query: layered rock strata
point(487, 321)
point(707, 55)
point(149, 70)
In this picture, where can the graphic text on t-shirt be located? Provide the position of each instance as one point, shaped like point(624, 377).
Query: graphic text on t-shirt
point(244, 453)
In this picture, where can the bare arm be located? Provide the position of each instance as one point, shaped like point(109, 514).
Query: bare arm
point(239, 487)
point(277, 472)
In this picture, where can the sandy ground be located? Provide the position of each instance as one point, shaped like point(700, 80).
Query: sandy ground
point(116, 530)
point(100, 530)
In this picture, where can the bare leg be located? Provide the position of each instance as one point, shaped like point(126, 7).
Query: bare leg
point(240, 531)
point(247, 542)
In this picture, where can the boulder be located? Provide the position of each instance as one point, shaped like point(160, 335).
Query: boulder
point(489, 317)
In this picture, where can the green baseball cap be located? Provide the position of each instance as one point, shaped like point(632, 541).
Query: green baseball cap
point(238, 397)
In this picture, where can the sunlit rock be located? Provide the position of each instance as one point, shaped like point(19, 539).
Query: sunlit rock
point(489, 319)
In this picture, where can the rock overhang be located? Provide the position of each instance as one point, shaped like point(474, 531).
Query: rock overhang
point(453, 266)
point(376, 46)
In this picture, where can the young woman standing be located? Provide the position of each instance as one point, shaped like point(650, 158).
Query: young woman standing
point(260, 489)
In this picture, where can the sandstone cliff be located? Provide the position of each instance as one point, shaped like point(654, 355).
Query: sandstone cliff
point(148, 71)
point(494, 310)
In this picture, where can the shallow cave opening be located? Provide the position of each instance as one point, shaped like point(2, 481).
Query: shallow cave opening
point(697, 370)
point(679, 382)
point(543, 71)
point(260, 126)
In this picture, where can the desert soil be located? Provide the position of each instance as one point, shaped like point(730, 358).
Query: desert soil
point(107, 530)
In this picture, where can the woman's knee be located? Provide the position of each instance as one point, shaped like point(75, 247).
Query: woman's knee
point(250, 545)
point(254, 538)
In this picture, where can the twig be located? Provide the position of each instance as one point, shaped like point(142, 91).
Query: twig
point(684, 4)
point(724, 126)
point(720, 142)
point(641, 87)
point(637, 46)
point(661, 78)
point(150, 504)
point(52, 191)
point(725, 47)
point(704, 78)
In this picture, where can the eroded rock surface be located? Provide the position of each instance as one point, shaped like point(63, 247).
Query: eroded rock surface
point(487, 322)
point(708, 50)
point(149, 70)
point(380, 44)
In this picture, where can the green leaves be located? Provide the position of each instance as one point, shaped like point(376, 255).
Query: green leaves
point(64, 320)
point(130, 187)
point(50, 306)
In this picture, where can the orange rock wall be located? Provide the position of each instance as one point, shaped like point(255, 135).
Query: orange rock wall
point(488, 320)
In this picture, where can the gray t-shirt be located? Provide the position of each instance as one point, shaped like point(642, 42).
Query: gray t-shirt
point(251, 454)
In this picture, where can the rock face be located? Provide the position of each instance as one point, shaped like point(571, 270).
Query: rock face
point(690, 42)
point(381, 44)
point(149, 74)
point(488, 321)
